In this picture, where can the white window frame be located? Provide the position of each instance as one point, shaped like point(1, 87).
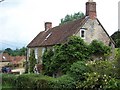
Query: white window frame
point(28, 52)
point(82, 30)
point(36, 53)
point(43, 50)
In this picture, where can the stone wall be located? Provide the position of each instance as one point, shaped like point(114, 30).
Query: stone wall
point(94, 31)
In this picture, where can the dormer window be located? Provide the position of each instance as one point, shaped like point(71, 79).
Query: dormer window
point(48, 35)
point(82, 33)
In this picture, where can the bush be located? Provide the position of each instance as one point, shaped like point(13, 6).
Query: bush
point(113, 84)
point(78, 69)
point(97, 81)
point(64, 81)
point(33, 81)
point(24, 81)
point(117, 62)
point(103, 67)
point(8, 81)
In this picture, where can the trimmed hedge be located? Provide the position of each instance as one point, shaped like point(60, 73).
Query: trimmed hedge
point(33, 81)
point(8, 80)
point(37, 81)
point(64, 81)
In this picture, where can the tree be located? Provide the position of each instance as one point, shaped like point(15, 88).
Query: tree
point(68, 18)
point(32, 61)
point(116, 38)
point(8, 50)
point(22, 51)
point(17, 52)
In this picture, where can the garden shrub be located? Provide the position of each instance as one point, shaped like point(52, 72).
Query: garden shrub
point(117, 62)
point(25, 81)
point(40, 81)
point(103, 67)
point(8, 81)
point(33, 81)
point(63, 82)
point(113, 84)
point(36, 82)
point(96, 81)
point(78, 69)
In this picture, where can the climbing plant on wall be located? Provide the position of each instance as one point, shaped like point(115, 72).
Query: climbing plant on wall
point(32, 61)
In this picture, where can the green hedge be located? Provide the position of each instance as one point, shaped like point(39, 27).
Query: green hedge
point(40, 81)
point(33, 81)
point(36, 81)
point(8, 80)
point(64, 81)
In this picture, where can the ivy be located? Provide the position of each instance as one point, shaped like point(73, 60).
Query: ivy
point(32, 61)
point(75, 49)
point(47, 59)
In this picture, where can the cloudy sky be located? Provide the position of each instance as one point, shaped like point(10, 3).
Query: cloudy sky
point(22, 20)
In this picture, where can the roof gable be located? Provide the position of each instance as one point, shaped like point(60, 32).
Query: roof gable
point(106, 32)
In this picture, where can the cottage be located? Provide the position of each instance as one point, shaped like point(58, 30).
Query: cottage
point(88, 28)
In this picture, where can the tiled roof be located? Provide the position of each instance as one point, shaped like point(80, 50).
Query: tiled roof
point(5, 57)
point(57, 34)
point(17, 59)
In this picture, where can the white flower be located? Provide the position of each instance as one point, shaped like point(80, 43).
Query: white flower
point(104, 75)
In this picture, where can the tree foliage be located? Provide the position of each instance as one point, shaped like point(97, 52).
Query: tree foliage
point(73, 17)
point(116, 38)
point(17, 52)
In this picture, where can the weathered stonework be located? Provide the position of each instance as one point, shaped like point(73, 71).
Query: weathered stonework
point(94, 31)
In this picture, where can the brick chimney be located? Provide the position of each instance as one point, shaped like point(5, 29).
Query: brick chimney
point(91, 9)
point(48, 25)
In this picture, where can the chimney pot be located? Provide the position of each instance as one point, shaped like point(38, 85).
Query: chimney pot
point(90, 0)
point(48, 25)
point(91, 9)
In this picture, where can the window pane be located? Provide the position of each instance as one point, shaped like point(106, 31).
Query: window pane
point(82, 33)
point(36, 53)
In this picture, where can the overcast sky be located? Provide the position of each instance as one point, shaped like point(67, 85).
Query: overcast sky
point(22, 20)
